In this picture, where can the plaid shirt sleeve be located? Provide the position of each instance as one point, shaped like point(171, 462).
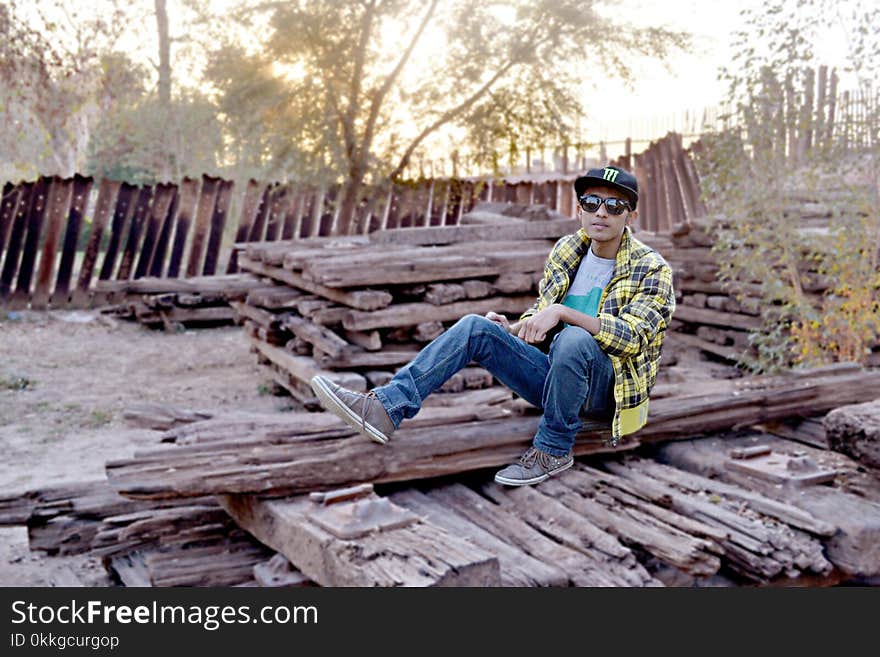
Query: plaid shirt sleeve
point(638, 322)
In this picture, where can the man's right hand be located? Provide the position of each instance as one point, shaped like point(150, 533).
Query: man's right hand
point(503, 322)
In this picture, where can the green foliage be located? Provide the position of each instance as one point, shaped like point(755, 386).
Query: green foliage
point(320, 91)
point(818, 285)
point(99, 418)
point(56, 77)
point(128, 143)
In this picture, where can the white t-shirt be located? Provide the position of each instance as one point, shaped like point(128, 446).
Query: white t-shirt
point(593, 274)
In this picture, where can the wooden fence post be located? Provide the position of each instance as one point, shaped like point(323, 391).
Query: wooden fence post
point(16, 235)
point(57, 206)
point(36, 212)
point(107, 194)
point(186, 208)
point(164, 195)
point(82, 187)
point(142, 206)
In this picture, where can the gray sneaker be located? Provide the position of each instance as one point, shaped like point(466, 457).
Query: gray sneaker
point(362, 412)
point(533, 467)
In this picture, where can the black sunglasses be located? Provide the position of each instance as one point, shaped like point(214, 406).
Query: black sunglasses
point(591, 203)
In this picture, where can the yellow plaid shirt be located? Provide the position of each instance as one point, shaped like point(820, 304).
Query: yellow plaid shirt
point(634, 311)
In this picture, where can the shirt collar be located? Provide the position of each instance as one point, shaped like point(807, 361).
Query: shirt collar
point(624, 251)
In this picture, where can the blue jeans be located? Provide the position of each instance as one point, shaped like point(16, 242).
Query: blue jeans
point(575, 378)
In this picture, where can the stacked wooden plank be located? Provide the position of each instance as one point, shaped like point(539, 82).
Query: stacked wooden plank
point(708, 316)
point(773, 517)
point(717, 318)
point(830, 487)
point(193, 545)
point(174, 304)
point(354, 537)
point(356, 309)
point(620, 522)
point(305, 452)
point(168, 543)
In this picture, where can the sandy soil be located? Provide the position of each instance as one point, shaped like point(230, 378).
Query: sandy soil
point(65, 380)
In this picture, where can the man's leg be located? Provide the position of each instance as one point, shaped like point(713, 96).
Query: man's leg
point(520, 366)
point(580, 379)
point(580, 376)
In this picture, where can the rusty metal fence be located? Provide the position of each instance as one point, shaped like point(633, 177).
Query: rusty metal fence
point(669, 184)
point(59, 238)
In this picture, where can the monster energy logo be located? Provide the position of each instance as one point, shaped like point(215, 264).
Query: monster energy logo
point(610, 174)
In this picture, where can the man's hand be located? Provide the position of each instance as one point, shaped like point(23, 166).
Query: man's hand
point(534, 329)
point(501, 320)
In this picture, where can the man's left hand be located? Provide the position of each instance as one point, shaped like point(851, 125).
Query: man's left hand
point(534, 329)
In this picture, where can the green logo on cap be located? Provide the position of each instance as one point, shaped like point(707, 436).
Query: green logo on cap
point(610, 174)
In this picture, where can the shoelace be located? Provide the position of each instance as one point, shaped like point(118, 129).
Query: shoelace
point(547, 461)
point(528, 459)
point(365, 409)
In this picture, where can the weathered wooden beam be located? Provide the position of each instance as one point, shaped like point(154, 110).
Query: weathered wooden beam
point(512, 230)
point(406, 314)
point(361, 299)
point(518, 568)
point(363, 542)
point(599, 561)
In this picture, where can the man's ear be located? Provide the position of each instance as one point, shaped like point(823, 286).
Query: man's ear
point(632, 218)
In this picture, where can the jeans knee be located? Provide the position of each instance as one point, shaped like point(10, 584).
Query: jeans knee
point(574, 342)
point(471, 323)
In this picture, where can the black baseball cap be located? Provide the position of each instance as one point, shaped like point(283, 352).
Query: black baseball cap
point(613, 177)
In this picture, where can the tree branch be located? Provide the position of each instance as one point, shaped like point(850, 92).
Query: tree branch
point(379, 97)
point(456, 111)
point(357, 74)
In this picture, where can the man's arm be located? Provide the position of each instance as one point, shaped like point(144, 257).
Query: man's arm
point(576, 318)
point(641, 319)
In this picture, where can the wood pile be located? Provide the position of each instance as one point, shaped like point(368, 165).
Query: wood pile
point(288, 500)
point(301, 452)
point(708, 316)
point(189, 542)
point(297, 498)
point(357, 309)
point(716, 318)
point(174, 304)
point(623, 521)
point(830, 487)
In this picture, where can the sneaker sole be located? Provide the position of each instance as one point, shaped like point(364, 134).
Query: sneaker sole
point(333, 404)
point(534, 480)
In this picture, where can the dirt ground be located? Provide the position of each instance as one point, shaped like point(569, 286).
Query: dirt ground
point(65, 380)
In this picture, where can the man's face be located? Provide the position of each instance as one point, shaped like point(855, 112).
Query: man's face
point(601, 225)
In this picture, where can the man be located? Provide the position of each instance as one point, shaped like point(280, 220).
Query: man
point(605, 301)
